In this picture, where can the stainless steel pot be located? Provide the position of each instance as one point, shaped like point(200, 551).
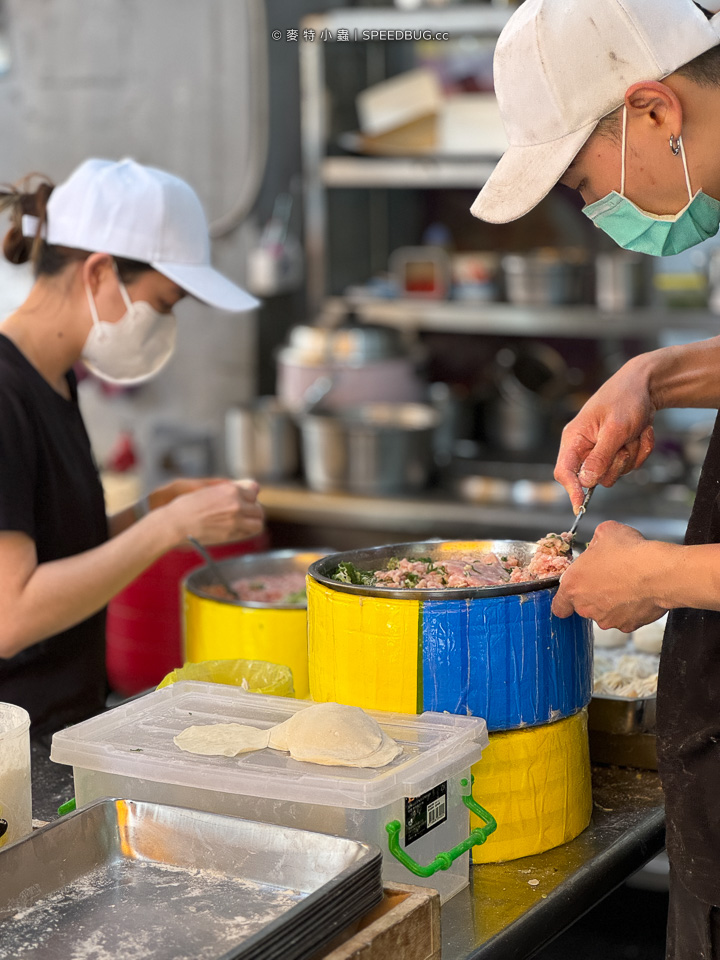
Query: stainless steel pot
point(376, 558)
point(273, 563)
point(351, 345)
point(375, 449)
point(528, 382)
point(261, 440)
point(545, 277)
point(621, 280)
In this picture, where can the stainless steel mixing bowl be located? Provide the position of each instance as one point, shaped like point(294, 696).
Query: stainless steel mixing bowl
point(376, 558)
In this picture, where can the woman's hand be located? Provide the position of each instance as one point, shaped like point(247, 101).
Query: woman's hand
point(613, 582)
point(161, 496)
point(39, 600)
point(611, 435)
point(216, 512)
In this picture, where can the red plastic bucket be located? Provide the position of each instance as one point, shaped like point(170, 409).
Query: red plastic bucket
point(144, 626)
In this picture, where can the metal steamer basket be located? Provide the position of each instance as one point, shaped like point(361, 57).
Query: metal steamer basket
point(496, 652)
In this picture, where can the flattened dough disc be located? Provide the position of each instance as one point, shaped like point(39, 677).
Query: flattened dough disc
point(222, 739)
point(335, 735)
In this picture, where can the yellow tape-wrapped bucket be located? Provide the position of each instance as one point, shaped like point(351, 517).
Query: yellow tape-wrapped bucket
point(537, 783)
point(221, 628)
point(496, 652)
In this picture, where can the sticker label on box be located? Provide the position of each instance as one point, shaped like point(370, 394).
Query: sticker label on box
point(424, 813)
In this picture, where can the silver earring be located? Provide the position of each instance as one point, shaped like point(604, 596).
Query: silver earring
point(675, 144)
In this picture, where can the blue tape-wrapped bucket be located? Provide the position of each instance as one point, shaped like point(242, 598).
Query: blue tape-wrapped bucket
point(493, 652)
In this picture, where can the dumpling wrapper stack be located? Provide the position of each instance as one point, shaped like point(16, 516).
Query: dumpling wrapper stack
point(331, 734)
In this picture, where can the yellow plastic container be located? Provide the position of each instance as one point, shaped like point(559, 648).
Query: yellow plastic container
point(537, 783)
point(219, 629)
point(257, 676)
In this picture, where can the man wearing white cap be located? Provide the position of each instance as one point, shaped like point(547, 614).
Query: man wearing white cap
point(620, 99)
point(114, 248)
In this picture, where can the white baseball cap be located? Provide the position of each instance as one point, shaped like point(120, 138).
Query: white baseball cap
point(141, 213)
point(562, 65)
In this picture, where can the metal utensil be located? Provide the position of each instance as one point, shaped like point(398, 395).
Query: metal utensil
point(217, 572)
point(581, 511)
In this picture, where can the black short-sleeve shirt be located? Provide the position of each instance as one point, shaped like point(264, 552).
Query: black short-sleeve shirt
point(50, 489)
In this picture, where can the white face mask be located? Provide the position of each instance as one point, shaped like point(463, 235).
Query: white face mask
point(133, 349)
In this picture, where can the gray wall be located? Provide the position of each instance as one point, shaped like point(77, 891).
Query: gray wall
point(168, 83)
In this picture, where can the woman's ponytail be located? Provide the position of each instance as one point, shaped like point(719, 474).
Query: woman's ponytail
point(27, 197)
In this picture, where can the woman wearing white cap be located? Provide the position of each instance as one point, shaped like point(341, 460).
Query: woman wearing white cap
point(620, 99)
point(114, 248)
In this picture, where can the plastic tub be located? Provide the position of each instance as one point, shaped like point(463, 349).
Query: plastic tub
point(15, 785)
point(129, 752)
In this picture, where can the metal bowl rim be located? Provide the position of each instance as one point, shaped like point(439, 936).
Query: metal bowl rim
point(454, 593)
point(246, 559)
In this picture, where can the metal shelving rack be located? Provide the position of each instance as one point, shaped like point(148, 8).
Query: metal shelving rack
point(322, 173)
point(582, 321)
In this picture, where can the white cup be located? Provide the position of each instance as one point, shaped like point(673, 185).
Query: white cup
point(15, 783)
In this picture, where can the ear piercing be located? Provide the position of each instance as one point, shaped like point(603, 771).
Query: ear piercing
point(675, 143)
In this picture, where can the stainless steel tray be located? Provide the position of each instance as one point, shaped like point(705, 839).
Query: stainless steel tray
point(622, 715)
point(138, 880)
point(622, 731)
point(375, 558)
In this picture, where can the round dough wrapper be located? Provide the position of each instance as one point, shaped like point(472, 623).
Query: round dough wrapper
point(222, 739)
point(386, 752)
point(649, 638)
point(336, 735)
point(609, 638)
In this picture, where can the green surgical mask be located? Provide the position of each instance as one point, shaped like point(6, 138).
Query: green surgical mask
point(660, 236)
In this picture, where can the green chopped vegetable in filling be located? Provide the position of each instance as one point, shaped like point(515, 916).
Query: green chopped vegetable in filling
point(347, 572)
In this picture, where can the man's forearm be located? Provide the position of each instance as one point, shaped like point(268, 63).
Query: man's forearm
point(683, 576)
point(683, 376)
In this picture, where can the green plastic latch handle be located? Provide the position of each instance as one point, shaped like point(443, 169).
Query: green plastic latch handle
point(443, 861)
point(66, 807)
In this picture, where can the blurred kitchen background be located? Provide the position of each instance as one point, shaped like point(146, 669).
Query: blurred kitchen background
point(421, 364)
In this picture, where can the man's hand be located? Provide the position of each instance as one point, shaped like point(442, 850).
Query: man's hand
point(610, 436)
point(612, 582)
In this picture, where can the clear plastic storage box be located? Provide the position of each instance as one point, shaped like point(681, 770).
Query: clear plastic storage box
point(129, 753)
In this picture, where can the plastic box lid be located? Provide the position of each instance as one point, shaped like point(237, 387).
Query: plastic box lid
point(136, 740)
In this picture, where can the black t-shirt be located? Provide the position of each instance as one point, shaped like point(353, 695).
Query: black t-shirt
point(50, 489)
point(688, 714)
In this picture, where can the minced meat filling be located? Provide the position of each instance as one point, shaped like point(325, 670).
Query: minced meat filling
point(552, 557)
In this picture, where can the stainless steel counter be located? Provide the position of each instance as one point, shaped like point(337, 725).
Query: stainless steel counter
point(346, 521)
point(505, 917)
point(502, 916)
